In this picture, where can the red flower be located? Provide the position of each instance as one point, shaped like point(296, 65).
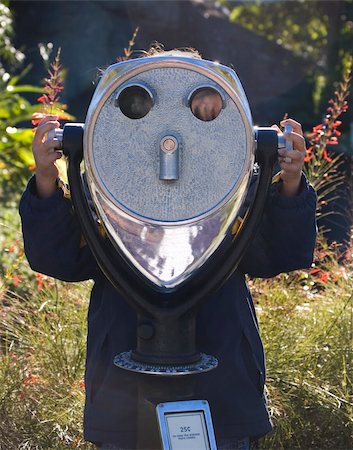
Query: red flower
point(39, 278)
point(318, 127)
point(30, 379)
point(332, 141)
point(52, 90)
point(308, 158)
point(326, 157)
point(324, 277)
point(42, 99)
point(16, 280)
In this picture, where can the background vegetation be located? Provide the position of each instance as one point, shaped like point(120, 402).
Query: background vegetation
point(306, 317)
point(320, 32)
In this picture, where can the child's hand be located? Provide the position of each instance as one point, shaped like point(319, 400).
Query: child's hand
point(292, 161)
point(45, 153)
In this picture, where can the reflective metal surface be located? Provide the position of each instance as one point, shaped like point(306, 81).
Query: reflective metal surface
point(169, 158)
point(205, 364)
point(167, 228)
point(282, 141)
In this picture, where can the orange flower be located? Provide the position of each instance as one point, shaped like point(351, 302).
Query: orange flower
point(39, 278)
point(77, 441)
point(324, 277)
point(325, 154)
point(16, 280)
point(30, 379)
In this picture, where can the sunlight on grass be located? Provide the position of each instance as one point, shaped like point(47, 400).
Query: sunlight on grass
point(306, 319)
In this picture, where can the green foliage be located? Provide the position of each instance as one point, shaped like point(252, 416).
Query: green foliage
point(15, 143)
point(8, 53)
point(296, 26)
point(319, 32)
point(16, 159)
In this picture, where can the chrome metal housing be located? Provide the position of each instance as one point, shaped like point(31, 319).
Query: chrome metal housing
point(168, 228)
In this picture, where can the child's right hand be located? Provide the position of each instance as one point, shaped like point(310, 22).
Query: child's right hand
point(45, 153)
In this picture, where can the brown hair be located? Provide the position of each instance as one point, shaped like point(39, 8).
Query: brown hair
point(157, 49)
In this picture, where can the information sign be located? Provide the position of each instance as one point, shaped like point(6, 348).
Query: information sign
point(186, 425)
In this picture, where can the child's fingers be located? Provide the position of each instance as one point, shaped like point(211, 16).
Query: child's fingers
point(292, 160)
point(294, 155)
point(297, 128)
point(53, 156)
point(43, 128)
point(51, 145)
point(296, 136)
point(298, 141)
point(46, 153)
point(47, 161)
point(47, 118)
point(277, 128)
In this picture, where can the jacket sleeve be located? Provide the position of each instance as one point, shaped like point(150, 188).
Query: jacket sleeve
point(52, 237)
point(285, 240)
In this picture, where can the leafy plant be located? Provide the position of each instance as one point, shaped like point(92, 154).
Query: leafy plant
point(15, 142)
point(9, 55)
point(53, 88)
point(16, 159)
point(319, 32)
point(321, 165)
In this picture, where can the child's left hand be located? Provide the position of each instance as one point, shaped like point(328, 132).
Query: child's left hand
point(292, 161)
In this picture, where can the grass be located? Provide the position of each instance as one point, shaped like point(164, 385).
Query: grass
point(41, 372)
point(308, 337)
point(306, 320)
point(43, 329)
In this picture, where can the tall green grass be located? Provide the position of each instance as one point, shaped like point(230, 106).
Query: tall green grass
point(42, 354)
point(308, 337)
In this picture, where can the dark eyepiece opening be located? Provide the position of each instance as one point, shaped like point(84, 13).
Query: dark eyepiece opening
point(134, 102)
point(206, 103)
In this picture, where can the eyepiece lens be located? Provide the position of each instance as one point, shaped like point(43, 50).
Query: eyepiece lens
point(134, 102)
point(206, 104)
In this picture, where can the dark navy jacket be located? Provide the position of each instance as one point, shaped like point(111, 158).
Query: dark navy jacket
point(226, 324)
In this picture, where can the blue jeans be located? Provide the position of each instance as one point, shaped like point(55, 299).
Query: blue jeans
point(226, 444)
